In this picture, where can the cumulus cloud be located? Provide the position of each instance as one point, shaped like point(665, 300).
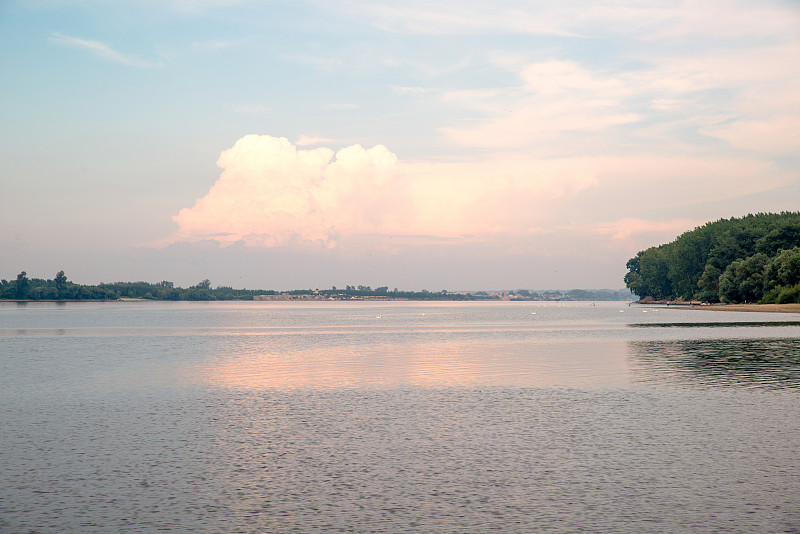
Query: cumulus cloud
point(273, 194)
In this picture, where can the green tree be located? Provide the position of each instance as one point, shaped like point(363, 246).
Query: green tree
point(785, 237)
point(744, 280)
point(649, 274)
point(61, 283)
point(709, 284)
point(696, 260)
point(784, 269)
point(205, 284)
point(23, 286)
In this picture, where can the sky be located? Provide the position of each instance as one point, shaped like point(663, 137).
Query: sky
point(456, 145)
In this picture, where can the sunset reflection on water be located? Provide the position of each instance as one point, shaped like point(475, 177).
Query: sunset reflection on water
point(570, 363)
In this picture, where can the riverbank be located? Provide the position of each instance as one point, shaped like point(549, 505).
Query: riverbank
point(771, 308)
point(686, 305)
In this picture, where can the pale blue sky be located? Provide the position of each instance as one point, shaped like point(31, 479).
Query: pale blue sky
point(520, 144)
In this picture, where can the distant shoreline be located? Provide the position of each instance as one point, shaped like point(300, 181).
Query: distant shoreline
point(319, 298)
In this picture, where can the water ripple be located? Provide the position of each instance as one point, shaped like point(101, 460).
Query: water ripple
point(754, 363)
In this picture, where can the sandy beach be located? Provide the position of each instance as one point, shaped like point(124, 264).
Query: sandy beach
point(780, 308)
point(772, 308)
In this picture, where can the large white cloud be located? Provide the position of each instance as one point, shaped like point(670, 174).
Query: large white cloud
point(271, 193)
point(560, 141)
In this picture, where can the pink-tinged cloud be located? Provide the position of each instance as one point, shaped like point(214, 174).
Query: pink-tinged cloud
point(305, 140)
point(556, 101)
point(638, 232)
point(273, 194)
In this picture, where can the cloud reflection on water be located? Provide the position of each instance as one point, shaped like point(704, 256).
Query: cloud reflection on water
point(567, 363)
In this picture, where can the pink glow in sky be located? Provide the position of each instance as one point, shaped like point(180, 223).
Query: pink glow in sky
point(455, 145)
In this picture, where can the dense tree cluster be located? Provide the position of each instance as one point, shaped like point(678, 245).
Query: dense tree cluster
point(755, 258)
point(167, 291)
point(59, 288)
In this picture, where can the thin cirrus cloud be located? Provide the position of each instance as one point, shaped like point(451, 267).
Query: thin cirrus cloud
point(558, 101)
point(251, 109)
point(737, 83)
point(554, 98)
point(461, 18)
point(626, 228)
point(104, 51)
point(654, 20)
point(341, 106)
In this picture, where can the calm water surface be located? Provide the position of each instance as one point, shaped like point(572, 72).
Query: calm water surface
point(397, 417)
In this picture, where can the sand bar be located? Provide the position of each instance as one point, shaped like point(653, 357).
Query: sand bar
point(772, 308)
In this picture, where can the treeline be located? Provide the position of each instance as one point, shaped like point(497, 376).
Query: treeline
point(573, 295)
point(755, 258)
point(59, 288)
point(350, 292)
point(167, 291)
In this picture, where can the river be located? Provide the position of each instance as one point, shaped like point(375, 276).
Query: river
point(397, 417)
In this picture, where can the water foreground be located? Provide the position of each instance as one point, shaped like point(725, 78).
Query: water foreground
point(397, 417)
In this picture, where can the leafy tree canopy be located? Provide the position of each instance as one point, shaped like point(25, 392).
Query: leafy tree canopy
point(732, 260)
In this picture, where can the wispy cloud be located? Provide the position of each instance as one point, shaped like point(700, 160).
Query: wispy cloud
point(643, 231)
point(321, 62)
point(403, 90)
point(747, 99)
point(556, 103)
point(104, 51)
point(461, 17)
point(198, 6)
point(305, 140)
point(653, 20)
point(216, 45)
point(343, 105)
point(251, 109)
